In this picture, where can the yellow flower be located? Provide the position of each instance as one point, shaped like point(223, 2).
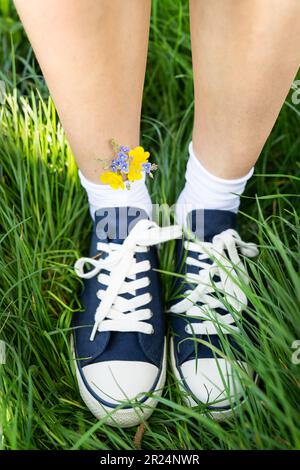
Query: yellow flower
point(115, 181)
point(138, 157)
point(135, 172)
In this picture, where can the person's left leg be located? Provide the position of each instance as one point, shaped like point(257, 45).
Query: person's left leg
point(245, 55)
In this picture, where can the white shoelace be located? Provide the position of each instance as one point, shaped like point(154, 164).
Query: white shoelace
point(115, 313)
point(228, 266)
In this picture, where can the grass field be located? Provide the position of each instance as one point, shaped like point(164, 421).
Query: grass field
point(44, 227)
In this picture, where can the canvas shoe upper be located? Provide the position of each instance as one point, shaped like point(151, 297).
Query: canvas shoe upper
point(119, 338)
point(210, 260)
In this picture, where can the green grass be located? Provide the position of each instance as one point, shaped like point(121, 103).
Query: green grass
point(43, 229)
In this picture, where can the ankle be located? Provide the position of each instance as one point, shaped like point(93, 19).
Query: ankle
point(204, 190)
point(100, 196)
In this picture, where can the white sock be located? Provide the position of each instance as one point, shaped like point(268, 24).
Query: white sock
point(204, 190)
point(102, 195)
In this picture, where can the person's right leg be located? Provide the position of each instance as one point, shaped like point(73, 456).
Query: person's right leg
point(93, 55)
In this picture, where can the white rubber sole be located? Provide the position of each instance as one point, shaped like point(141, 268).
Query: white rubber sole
point(218, 415)
point(122, 417)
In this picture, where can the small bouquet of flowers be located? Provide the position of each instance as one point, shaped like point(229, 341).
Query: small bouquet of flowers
point(128, 165)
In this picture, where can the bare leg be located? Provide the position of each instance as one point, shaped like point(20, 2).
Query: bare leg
point(93, 56)
point(245, 55)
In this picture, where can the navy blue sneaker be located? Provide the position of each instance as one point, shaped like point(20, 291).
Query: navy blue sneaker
point(119, 339)
point(209, 259)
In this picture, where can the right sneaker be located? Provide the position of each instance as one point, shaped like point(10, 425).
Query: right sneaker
point(119, 338)
point(209, 312)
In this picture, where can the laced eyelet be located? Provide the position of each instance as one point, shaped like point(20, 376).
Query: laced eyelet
point(186, 329)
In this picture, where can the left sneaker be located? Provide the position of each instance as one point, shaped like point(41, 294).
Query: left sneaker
point(119, 338)
point(212, 268)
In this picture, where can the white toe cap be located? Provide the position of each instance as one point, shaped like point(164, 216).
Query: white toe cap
point(214, 381)
point(119, 381)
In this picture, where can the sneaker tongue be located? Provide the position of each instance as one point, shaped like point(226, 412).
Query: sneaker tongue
point(112, 224)
point(115, 223)
point(206, 223)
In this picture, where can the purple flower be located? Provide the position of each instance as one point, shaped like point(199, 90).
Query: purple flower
point(120, 163)
point(146, 167)
point(122, 157)
point(124, 149)
point(114, 166)
point(125, 167)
